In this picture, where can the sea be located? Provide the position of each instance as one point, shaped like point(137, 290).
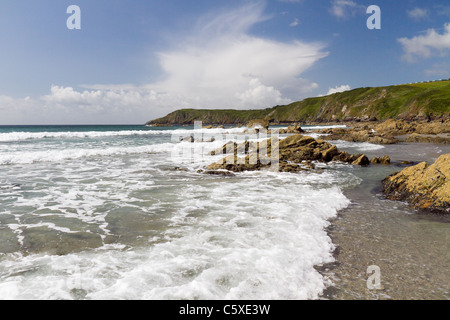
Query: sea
point(127, 212)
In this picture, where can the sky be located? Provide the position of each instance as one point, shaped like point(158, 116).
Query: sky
point(133, 61)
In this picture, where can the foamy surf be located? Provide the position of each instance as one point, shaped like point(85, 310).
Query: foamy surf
point(130, 218)
point(252, 238)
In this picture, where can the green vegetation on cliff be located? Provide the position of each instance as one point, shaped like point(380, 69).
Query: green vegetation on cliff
point(408, 101)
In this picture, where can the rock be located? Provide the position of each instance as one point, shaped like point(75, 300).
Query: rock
point(294, 152)
point(330, 153)
point(296, 141)
point(423, 186)
point(219, 173)
point(295, 129)
point(381, 160)
point(364, 134)
point(211, 139)
point(187, 139)
point(382, 140)
point(436, 127)
point(395, 127)
point(361, 161)
point(258, 124)
point(425, 138)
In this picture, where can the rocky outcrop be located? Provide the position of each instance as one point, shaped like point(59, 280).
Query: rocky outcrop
point(394, 127)
point(381, 160)
point(391, 132)
point(258, 124)
point(292, 130)
point(295, 154)
point(427, 138)
point(364, 134)
point(424, 186)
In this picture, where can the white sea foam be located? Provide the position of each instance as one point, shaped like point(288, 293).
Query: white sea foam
point(324, 127)
point(360, 146)
point(56, 155)
point(256, 237)
point(180, 235)
point(19, 136)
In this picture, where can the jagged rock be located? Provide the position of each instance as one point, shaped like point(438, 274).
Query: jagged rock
point(381, 160)
point(293, 151)
point(235, 148)
point(436, 127)
point(382, 140)
point(258, 124)
point(328, 154)
point(395, 127)
point(361, 161)
point(423, 186)
point(425, 138)
point(364, 134)
point(292, 129)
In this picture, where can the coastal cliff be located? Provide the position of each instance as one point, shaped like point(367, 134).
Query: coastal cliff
point(418, 101)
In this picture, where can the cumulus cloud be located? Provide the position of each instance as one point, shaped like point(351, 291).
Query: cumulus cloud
point(294, 23)
point(345, 8)
point(65, 105)
point(337, 89)
point(221, 65)
point(428, 45)
point(218, 64)
point(418, 13)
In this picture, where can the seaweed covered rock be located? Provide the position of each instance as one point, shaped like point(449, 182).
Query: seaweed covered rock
point(424, 186)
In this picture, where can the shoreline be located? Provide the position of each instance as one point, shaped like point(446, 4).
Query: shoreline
point(407, 244)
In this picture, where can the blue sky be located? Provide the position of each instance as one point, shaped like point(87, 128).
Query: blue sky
point(133, 61)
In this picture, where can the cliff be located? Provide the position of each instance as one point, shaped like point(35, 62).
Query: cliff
point(409, 102)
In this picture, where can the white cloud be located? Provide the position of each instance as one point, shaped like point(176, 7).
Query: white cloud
point(218, 64)
point(294, 23)
point(345, 8)
point(221, 64)
point(425, 46)
point(418, 13)
point(337, 89)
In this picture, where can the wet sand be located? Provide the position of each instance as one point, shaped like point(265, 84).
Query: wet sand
point(411, 248)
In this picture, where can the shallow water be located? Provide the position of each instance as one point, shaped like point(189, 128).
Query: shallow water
point(411, 248)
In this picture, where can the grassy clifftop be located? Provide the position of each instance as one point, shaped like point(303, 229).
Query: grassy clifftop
point(409, 101)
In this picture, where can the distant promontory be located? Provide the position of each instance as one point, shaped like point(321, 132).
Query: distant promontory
point(418, 101)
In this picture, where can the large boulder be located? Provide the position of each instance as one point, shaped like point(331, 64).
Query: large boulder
point(424, 186)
